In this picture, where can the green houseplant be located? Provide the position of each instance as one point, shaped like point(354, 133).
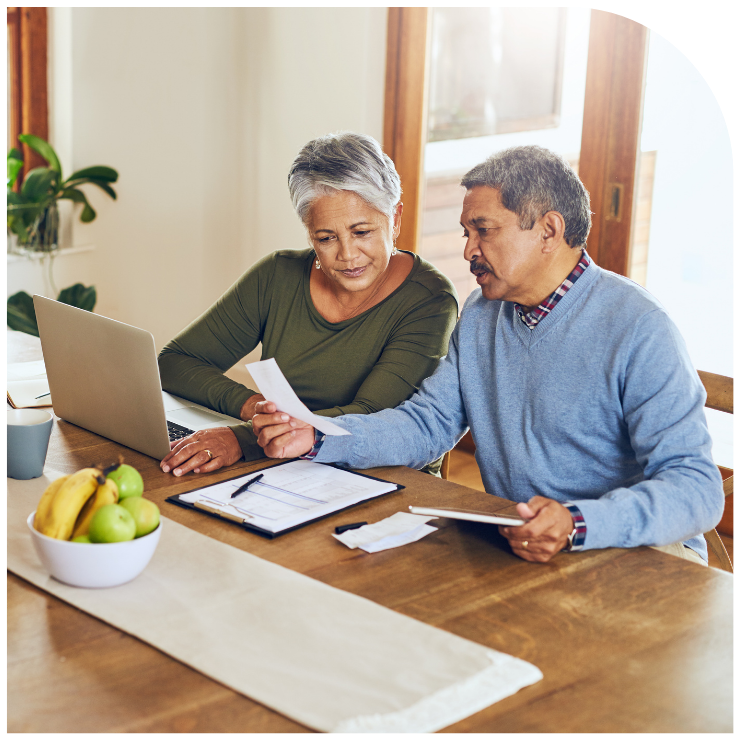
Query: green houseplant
point(33, 219)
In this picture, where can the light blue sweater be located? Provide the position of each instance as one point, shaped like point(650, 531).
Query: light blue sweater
point(599, 404)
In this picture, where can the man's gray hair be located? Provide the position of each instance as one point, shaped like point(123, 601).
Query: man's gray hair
point(344, 161)
point(532, 181)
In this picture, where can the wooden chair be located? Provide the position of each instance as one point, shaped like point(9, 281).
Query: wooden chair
point(444, 471)
point(719, 397)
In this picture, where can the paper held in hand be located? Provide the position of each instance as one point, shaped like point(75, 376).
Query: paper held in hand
point(274, 387)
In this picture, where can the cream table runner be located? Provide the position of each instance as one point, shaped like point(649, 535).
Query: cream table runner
point(326, 658)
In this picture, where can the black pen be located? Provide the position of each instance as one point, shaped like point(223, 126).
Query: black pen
point(246, 485)
point(42, 395)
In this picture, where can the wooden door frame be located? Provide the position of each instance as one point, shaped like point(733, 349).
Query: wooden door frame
point(405, 114)
point(610, 141)
point(28, 43)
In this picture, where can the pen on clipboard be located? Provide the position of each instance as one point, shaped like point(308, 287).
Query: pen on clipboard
point(246, 485)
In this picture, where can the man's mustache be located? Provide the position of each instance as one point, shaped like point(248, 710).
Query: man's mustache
point(476, 266)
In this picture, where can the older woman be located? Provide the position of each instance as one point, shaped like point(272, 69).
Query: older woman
point(354, 324)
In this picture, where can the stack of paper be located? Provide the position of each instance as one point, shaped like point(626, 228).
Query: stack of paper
point(394, 531)
point(27, 385)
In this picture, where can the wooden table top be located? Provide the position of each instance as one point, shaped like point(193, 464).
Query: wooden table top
point(627, 640)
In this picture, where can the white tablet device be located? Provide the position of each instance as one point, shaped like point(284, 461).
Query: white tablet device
point(471, 516)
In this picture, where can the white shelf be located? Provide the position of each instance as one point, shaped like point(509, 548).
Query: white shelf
point(38, 256)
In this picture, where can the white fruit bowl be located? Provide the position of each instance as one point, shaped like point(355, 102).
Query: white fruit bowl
point(94, 566)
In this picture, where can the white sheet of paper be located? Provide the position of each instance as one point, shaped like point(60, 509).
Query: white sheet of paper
point(32, 370)
point(399, 539)
point(274, 387)
point(393, 531)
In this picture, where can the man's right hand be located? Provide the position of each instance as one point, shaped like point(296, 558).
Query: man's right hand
point(280, 435)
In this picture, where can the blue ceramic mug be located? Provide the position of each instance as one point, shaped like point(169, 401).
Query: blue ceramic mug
point(28, 439)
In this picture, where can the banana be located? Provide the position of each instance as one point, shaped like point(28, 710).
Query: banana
point(105, 493)
point(43, 506)
point(68, 501)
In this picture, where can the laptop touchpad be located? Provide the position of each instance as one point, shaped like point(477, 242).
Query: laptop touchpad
point(195, 418)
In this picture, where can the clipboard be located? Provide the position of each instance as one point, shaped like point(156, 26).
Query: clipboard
point(211, 508)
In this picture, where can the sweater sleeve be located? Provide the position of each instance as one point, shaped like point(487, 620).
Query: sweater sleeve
point(663, 407)
point(418, 431)
point(192, 365)
point(412, 353)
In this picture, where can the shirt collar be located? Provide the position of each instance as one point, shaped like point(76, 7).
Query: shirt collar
point(536, 315)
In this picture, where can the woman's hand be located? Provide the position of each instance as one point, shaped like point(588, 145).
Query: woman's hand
point(280, 435)
point(190, 453)
point(248, 409)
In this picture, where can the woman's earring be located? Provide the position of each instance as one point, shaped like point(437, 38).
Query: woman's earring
point(318, 264)
point(394, 251)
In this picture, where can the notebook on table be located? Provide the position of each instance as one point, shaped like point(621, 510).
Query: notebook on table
point(287, 496)
point(27, 385)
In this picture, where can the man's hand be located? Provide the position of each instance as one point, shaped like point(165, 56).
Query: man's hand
point(192, 453)
point(545, 533)
point(280, 435)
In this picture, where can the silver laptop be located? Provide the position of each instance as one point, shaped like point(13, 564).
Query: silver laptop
point(103, 376)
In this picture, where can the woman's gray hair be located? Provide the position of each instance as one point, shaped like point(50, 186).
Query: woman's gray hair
point(344, 161)
point(532, 181)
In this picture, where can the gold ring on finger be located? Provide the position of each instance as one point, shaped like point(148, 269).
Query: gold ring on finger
point(210, 456)
point(525, 543)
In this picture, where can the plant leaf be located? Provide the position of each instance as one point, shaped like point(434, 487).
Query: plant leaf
point(15, 199)
point(15, 153)
point(21, 314)
point(39, 183)
point(44, 149)
point(100, 183)
point(96, 172)
point(88, 214)
point(14, 167)
point(80, 296)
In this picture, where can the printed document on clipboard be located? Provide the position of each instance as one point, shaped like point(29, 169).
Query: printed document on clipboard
point(287, 495)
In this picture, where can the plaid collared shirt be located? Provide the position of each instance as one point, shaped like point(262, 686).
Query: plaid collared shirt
point(536, 315)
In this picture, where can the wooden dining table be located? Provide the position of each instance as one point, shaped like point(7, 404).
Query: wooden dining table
point(628, 640)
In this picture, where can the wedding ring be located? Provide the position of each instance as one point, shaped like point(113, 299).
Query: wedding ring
point(210, 456)
point(525, 543)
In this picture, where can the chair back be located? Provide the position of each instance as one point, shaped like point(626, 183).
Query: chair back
point(719, 390)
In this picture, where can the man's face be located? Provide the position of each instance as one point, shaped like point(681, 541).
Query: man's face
point(504, 258)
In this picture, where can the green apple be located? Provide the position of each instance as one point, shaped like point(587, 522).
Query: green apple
point(129, 481)
point(112, 523)
point(83, 539)
point(144, 512)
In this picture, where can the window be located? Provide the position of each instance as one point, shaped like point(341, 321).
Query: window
point(518, 56)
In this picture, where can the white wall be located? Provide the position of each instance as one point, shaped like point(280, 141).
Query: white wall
point(690, 257)
point(201, 110)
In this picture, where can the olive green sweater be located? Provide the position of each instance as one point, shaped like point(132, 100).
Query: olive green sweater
point(367, 363)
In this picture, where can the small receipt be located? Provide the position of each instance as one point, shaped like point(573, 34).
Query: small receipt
point(394, 531)
point(274, 387)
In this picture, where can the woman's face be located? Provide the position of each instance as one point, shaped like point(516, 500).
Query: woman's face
point(353, 241)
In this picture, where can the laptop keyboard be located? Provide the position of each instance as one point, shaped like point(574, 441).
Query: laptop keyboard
point(175, 431)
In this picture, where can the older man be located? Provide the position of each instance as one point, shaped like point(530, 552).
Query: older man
point(576, 385)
